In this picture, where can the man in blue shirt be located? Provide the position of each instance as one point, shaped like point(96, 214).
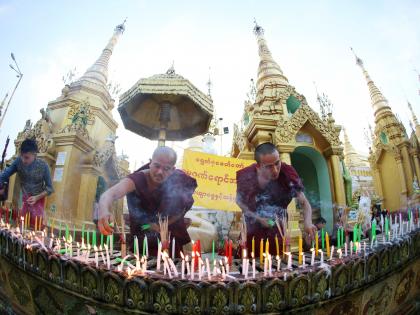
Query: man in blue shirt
point(35, 179)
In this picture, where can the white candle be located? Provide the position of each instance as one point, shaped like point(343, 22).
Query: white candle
point(108, 262)
point(265, 264)
point(188, 265)
point(312, 256)
point(345, 249)
point(182, 265)
point(199, 267)
point(253, 265)
point(171, 263)
point(227, 265)
point(192, 264)
point(96, 256)
point(111, 243)
point(351, 248)
point(136, 245)
point(332, 252)
point(208, 268)
point(303, 260)
point(223, 270)
point(322, 255)
point(166, 265)
point(52, 241)
point(243, 261)
point(278, 263)
point(22, 222)
point(285, 276)
point(339, 253)
point(173, 248)
point(289, 260)
point(147, 246)
point(159, 255)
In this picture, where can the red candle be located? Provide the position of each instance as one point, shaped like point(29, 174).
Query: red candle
point(198, 247)
point(226, 248)
point(7, 215)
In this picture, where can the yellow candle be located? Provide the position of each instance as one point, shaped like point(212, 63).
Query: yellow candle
point(253, 245)
point(316, 243)
point(327, 240)
point(277, 246)
point(267, 247)
point(40, 223)
point(26, 220)
point(300, 249)
point(52, 226)
point(36, 222)
point(284, 246)
point(261, 251)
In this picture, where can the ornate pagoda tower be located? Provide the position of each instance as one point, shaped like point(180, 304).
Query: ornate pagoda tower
point(76, 137)
point(358, 167)
point(275, 112)
point(393, 157)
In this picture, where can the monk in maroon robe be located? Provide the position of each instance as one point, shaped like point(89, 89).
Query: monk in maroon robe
point(264, 190)
point(155, 189)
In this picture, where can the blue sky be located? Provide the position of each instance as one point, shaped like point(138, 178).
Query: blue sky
point(309, 39)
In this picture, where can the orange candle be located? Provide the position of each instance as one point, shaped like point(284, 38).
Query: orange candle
point(316, 243)
point(277, 246)
point(327, 239)
point(261, 251)
point(36, 223)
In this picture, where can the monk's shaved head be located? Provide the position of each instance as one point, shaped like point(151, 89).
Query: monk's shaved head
point(165, 152)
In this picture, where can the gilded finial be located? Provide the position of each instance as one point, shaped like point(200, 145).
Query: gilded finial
point(359, 61)
point(258, 30)
point(121, 27)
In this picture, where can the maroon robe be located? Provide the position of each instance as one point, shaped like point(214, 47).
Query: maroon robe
point(266, 202)
point(172, 197)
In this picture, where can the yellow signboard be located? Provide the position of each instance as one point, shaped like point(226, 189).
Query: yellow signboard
point(216, 179)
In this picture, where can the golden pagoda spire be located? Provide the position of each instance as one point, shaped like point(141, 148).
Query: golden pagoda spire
point(415, 123)
point(351, 157)
point(413, 115)
point(268, 69)
point(379, 102)
point(98, 72)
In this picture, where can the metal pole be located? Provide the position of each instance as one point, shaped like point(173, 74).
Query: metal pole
point(20, 75)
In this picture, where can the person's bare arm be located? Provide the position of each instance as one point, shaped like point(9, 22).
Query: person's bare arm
point(116, 192)
point(307, 214)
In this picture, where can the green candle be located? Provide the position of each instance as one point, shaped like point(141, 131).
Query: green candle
point(213, 253)
point(74, 233)
point(386, 228)
point(135, 247)
point(94, 238)
point(67, 232)
point(10, 218)
point(322, 239)
point(144, 246)
point(354, 236)
point(87, 237)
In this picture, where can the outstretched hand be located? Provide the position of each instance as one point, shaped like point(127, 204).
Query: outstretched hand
point(309, 233)
point(104, 222)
